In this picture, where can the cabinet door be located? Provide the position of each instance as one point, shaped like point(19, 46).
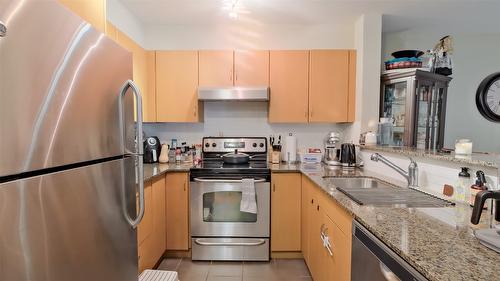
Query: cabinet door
point(288, 81)
point(140, 74)
point(92, 11)
point(176, 86)
point(316, 254)
point(329, 86)
point(216, 68)
point(111, 30)
point(159, 219)
point(145, 228)
point(177, 211)
point(305, 206)
point(338, 263)
point(251, 68)
point(351, 114)
point(285, 212)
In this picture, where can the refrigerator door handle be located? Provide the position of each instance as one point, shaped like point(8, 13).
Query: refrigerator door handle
point(138, 146)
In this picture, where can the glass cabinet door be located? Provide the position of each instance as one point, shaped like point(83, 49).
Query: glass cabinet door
point(394, 108)
point(428, 119)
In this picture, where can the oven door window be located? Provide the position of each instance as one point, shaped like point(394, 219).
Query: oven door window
point(224, 206)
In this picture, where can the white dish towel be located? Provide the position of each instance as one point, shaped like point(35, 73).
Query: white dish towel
point(248, 203)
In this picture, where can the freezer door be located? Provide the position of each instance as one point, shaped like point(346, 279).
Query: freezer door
point(60, 81)
point(70, 225)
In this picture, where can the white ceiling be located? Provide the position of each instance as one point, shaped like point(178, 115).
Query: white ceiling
point(450, 15)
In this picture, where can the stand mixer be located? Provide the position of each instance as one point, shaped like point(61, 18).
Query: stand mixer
point(332, 149)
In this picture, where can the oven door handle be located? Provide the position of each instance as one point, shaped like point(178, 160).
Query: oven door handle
point(257, 242)
point(225, 180)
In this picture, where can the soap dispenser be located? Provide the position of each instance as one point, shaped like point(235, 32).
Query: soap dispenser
point(462, 186)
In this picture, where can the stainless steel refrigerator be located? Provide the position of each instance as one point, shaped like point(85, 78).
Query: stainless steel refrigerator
point(70, 169)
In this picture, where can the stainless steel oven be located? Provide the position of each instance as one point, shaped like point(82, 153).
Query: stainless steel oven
point(219, 230)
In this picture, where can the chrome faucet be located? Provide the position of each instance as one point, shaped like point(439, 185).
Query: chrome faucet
point(411, 176)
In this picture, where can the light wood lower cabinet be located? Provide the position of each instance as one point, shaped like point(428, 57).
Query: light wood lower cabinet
point(151, 230)
point(323, 215)
point(177, 219)
point(285, 212)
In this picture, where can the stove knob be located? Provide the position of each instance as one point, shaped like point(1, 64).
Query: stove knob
point(261, 144)
point(207, 145)
point(254, 144)
point(214, 144)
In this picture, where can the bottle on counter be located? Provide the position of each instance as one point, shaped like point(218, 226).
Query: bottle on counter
point(171, 155)
point(478, 186)
point(178, 156)
point(164, 154)
point(462, 186)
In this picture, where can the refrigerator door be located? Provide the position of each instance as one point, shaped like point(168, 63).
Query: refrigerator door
point(70, 225)
point(60, 82)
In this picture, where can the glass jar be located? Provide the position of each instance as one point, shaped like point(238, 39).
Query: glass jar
point(463, 147)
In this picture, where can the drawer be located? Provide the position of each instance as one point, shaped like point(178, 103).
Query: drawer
point(336, 213)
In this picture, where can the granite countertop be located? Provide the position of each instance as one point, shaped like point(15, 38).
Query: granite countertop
point(438, 242)
point(157, 169)
point(490, 160)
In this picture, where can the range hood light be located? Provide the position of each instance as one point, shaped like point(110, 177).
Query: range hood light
point(233, 94)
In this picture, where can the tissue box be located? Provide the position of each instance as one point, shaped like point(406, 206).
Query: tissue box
point(310, 157)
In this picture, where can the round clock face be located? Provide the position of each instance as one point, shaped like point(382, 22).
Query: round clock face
point(488, 97)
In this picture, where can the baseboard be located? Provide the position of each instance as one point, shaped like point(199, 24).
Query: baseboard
point(177, 254)
point(287, 255)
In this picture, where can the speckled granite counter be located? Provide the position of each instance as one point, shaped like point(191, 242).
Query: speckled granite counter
point(438, 242)
point(490, 160)
point(156, 169)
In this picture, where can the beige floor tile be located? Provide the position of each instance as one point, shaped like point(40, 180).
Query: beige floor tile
point(192, 276)
point(262, 269)
point(224, 278)
point(193, 267)
point(233, 269)
point(292, 268)
point(170, 264)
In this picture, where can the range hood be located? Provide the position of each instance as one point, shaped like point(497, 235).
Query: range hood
point(233, 94)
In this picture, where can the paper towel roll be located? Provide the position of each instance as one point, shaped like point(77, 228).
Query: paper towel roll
point(289, 151)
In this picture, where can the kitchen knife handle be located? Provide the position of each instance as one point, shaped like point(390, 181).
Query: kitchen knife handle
point(139, 149)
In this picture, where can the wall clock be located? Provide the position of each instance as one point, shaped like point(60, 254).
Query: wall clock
point(488, 97)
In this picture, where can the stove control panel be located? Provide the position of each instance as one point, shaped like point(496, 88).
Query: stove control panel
point(244, 145)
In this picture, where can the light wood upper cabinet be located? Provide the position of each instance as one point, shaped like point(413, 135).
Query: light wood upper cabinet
point(251, 68)
point(351, 114)
point(177, 197)
point(143, 65)
point(111, 30)
point(289, 83)
point(92, 11)
point(176, 87)
point(285, 212)
point(216, 68)
point(329, 86)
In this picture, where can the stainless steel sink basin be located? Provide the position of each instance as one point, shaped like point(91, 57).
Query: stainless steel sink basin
point(369, 191)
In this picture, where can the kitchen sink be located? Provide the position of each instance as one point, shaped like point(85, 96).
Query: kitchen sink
point(369, 191)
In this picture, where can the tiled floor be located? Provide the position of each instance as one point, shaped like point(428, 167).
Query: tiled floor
point(275, 270)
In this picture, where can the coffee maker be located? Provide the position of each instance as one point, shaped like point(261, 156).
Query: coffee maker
point(152, 149)
point(332, 151)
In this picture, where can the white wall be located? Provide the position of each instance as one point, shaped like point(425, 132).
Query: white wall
point(241, 35)
point(475, 56)
point(240, 119)
point(125, 21)
point(368, 32)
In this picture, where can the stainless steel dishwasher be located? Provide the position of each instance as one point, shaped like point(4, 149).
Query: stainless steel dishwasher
point(373, 260)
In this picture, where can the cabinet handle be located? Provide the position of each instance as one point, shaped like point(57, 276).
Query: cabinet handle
point(184, 186)
point(274, 187)
point(312, 201)
point(235, 76)
point(195, 110)
point(231, 75)
point(317, 208)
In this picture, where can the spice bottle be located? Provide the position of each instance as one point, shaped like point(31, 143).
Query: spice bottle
point(462, 185)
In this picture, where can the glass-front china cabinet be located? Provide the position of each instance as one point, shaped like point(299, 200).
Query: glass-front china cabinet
point(414, 101)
